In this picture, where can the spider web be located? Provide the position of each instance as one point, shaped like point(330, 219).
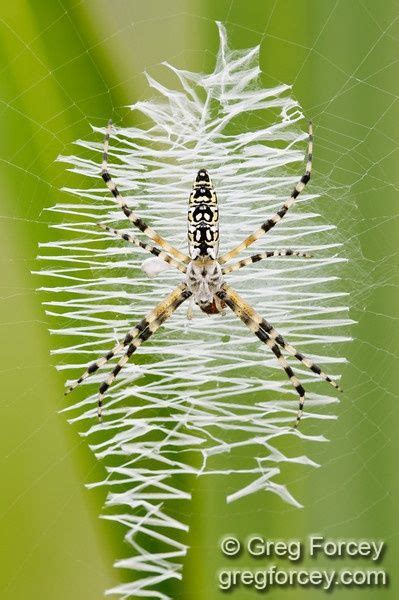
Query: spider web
point(199, 390)
point(356, 151)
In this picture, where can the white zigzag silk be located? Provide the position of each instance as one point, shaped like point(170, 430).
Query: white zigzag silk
point(200, 389)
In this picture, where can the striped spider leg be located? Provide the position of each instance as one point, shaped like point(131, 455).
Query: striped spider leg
point(272, 221)
point(128, 212)
point(132, 340)
point(127, 237)
point(261, 256)
point(274, 340)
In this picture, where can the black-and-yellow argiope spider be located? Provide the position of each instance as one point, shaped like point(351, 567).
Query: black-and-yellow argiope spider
point(204, 276)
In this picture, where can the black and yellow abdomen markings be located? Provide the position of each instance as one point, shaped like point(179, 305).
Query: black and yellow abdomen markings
point(203, 218)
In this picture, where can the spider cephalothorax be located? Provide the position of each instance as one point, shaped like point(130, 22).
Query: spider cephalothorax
point(204, 272)
point(204, 279)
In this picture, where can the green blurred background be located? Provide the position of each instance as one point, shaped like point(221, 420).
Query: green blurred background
point(65, 65)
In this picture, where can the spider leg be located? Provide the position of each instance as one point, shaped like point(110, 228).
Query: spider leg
point(133, 218)
point(291, 376)
point(261, 256)
point(131, 335)
point(265, 331)
point(272, 221)
point(247, 314)
point(149, 247)
point(145, 329)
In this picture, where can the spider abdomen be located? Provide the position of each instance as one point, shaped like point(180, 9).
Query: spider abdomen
point(203, 218)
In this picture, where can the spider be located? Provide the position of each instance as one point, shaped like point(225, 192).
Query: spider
point(204, 272)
